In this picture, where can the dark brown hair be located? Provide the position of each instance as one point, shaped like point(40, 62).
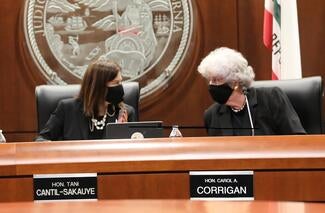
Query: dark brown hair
point(93, 86)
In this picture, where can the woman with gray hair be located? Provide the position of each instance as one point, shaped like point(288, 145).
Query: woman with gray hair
point(241, 109)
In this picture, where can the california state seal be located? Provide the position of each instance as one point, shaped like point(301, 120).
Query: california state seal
point(147, 38)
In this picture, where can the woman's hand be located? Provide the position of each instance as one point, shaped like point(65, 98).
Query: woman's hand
point(122, 116)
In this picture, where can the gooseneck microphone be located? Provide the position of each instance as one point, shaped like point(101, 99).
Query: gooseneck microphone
point(249, 112)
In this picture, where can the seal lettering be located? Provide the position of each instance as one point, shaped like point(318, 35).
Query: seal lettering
point(145, 37)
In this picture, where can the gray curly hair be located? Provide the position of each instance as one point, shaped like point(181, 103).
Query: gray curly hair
point(227, 64)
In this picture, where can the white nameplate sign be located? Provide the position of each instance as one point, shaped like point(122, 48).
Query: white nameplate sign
point(65, 187)
point(221, 185)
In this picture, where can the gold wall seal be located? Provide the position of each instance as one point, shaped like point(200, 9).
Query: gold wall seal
point(148, 38)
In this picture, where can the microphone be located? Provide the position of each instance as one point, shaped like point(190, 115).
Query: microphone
point(249, 112)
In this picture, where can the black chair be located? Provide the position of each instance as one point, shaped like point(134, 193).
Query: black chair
point(48, 96)
point(306, 97)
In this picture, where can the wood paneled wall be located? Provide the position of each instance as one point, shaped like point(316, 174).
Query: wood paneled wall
point(233, 23)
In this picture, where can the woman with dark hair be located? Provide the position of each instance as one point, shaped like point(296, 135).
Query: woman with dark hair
point(100, 101)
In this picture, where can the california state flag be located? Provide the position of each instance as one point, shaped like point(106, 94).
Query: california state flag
point(281, 33)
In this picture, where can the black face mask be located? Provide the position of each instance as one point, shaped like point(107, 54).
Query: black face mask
point(115, 94)
point(220, 93)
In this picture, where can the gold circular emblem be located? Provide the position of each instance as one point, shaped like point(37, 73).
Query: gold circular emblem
point(137, 135)
point(147, 38)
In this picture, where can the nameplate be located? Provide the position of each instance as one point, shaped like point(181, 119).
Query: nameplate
point(221, 185)
point(49, 187)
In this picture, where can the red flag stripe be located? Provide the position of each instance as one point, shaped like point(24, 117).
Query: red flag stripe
point(267, 29)
point(274, 76)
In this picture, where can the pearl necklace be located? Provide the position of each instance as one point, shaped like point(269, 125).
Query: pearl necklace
point(241, 108)
point(99, 124)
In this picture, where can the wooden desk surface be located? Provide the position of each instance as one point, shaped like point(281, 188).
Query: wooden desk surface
point(286, 168)
point(163, 206)
point(165, 154)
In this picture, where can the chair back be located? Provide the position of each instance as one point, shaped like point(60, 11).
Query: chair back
point(48, 96)
point(305, 96)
